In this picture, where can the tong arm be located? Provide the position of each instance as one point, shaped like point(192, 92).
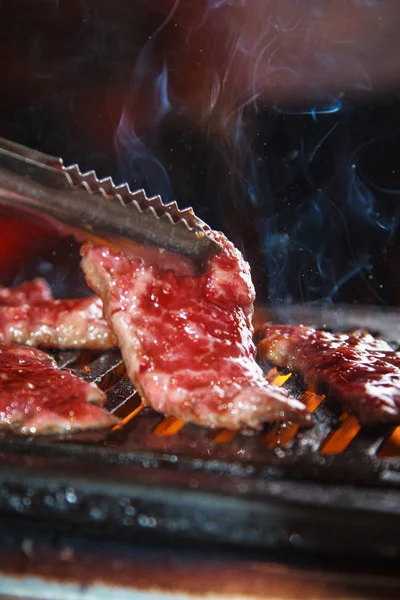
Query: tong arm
point(40, 184)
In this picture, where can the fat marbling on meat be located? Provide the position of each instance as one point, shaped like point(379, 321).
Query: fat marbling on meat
point(361, 371)
point(36, 397)
point(29, 292)
point(187, 340)
point(29, 315)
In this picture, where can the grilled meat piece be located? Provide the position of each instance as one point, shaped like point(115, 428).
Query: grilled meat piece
point(29, 315)
point(36, 397)
point(29, 292)
point(187, 341)
point(362, 372)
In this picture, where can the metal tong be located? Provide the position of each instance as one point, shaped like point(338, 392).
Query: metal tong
point(97, 209)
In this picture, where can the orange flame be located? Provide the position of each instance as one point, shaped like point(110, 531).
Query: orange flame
point(129, 417)
point(338, 440)
point(168, 426)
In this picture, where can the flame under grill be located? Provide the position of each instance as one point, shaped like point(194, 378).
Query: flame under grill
point(107, 370)
point(333, 487)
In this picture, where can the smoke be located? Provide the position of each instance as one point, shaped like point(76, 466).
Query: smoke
point(283, 179)
point(262, 115)
point(333, 106)
point(138, 165)
point(59, 264)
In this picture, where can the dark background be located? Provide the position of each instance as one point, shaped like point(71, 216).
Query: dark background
point(280, 127)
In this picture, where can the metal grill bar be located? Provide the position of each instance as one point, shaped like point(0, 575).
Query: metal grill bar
point(160, 475)
point(286, 486)
point(333, 434)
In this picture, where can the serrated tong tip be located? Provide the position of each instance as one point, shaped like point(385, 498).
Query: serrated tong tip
point(99, 208)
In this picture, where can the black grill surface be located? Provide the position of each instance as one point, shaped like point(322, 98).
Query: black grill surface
point(334, 488)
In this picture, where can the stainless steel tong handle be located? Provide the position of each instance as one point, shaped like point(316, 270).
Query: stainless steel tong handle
point(96, 208)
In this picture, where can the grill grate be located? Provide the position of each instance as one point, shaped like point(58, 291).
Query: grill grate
point(333, 487)
point(107, 371)
point(333, 434)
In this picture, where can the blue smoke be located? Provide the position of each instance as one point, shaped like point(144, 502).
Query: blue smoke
point(138, 164)
point(284, 182)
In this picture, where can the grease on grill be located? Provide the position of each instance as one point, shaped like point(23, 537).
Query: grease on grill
point(120, 396)
point(107, 370)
